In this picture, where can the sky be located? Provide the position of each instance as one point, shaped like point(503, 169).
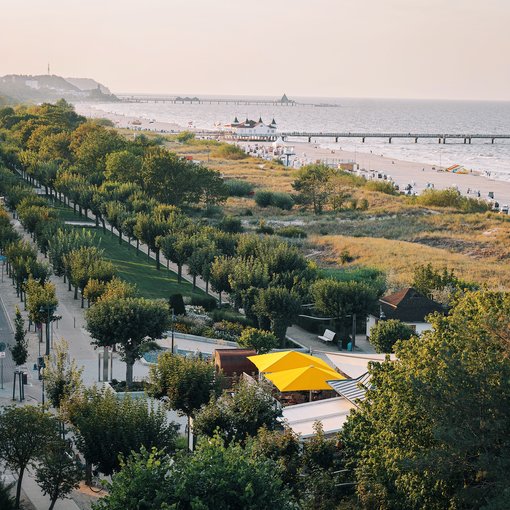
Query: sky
point(448, 49)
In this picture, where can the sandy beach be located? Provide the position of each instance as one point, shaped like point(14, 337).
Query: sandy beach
point(419, 175)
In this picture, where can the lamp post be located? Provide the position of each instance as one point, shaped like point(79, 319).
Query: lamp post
point(173, 321)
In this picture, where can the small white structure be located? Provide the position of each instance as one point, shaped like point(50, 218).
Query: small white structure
point(249, 129)
point(332, 413)
point(407, 306)
point(354, 365)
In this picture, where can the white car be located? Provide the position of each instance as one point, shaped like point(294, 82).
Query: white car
point(504, 209)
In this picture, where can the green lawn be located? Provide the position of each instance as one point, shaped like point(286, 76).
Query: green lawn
point(150, 282)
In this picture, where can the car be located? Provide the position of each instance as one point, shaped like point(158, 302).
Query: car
point(504, 209)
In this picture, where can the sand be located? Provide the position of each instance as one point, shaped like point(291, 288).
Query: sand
point(401, 172)
point(405, 172)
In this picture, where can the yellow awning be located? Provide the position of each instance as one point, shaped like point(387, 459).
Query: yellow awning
point(304, 378)
point(285, 360)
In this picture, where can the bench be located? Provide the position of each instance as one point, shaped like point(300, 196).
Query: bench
point(328, 336)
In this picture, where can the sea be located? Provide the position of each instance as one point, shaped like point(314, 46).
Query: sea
point(362, 115)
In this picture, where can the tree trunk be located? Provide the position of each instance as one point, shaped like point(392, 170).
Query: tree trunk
point(105, 363)
point(129, 374)
point(53, 501)
point(18, 487)
point(194, 282)
point(219, 293)
point(104, 225)
point(158, 265)
point(148, 254)
point(137, 246)
point(97, 221)
point(82, 300)
point(68, 284)
point(207, 286)
point(120, 236)
point(75, 292)
point(179, 273)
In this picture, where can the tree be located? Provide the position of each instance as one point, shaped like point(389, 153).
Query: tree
point(107, 427)
point(385, 334)
point(259, 340)
point(23, 431)
point(123, 166)
point(149, 229)
point(338, 299)
point(221, 268)
point(215, 476)
point(227, 478)
point(19, 350)
point(312, 182)
point(143, 482)
point(238, 413)
point(58, 473)
point(434, 432)
point(61, 375)
point(186, 383)
point(132, 323)
point(280, 306)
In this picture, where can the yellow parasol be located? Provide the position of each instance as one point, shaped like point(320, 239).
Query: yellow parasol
point(304, 378)
point(285, 360)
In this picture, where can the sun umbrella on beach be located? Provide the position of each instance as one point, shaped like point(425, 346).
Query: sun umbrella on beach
point(304, 379)
point(285, 360)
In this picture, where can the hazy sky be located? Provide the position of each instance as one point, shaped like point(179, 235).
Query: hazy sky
point(337, 48)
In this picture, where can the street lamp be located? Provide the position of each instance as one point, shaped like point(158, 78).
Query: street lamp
point(40, 366)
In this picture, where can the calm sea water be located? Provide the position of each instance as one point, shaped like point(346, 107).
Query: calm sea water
point(365, 115)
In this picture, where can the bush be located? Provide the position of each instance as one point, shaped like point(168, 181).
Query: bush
point(451, 197)
point(282, 201)
point(263, 198)
point(176, 303)
point(185, 136)
point(220, 315)
point(385, 334)
point(238, 188)
point(231, 225)
point(207, 302)
point(258, 340)
point(292, 232)
point(6, 501)
point(264, 228)
point(382, 187)
point(229, 151)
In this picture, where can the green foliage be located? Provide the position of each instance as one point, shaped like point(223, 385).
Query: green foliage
point(270, 198)
point(123, 166)
point(185, 136)
point(215, 476)
point(312, 183)
point(107, 426)
point(385, 334)
point(19, 350)
point(176, 303)
point(230, 224)
point(187, 383)
point(292, 232)
point(434, 433)
point(62, 377)
point(437, 284)
point(373, 277)
point(338, 298)
point(24, 432)
point(259, 340)
point(142, 483)
point(6, 500)
point(58, 473)
point(209, 303)
point(280, 306)
point(451, 197)
point(238, 413)
point(131, 323)
point(238, 188)
point(229, 151)
point(382, 187)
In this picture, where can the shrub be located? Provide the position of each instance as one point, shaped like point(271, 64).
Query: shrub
point(382, 187)
point(208, 302)
point(185, 136)
point(385, 334)
point(263, 198)
point(229, 151)
point(220, 315)
point(231, 225)
point(176, 303)
point(292, 232)
point(258, 340)
point(363, 204)
point(238, 188)
point(264, 228)
point(282, 201)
